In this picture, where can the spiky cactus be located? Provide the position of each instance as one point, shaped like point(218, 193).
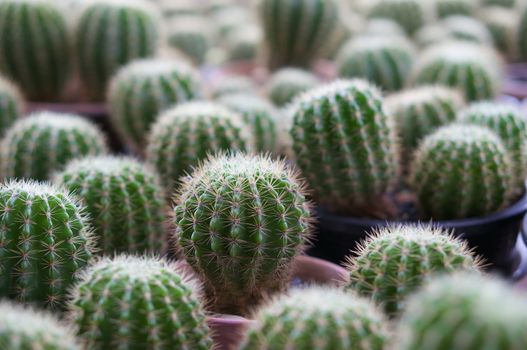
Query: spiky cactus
point(37, 146)
point(11, 104)
point(446, 8)
point(345, 144)
point(383, 60)
point(138, 303)
point(191, 36)
point(241, 221)
point(468, 157)
point(463, 311)
point(142, 90)
point(394, 261)
point(467, 28)
point(294, 30)
point(287, 83)
point(44, 242)
point(502, 24)
point(318, 318)
point(111, 33)
point(233, 85)
point(410, 14)
point(34, 47)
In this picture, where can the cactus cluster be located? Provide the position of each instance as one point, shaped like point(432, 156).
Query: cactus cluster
point(191, 36)
point(287, 83)
point(409, 14)
point(11, 104)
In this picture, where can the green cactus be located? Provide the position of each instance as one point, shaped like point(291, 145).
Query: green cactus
point(383, 60)
point(295, 30)
point(138, 303)
point(501, 3)
point(431, 34)
point(383, 27)
point(501, 23)
point(410, 14)
point(34, 47)
point(468, 157)
point(142, 90)
point(446, 8)
point(318, 318)
point(241, 221)
point(233, 85)
point(44, 242)
point(346, 145)
point(11, 104)
point(287, 83)
point(467, 28)
point(37, 146)
point(191, 36)
point(395, 261)
point(464, 311)
point(110, 34)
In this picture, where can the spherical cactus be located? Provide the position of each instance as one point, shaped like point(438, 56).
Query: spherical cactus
point(140, 91)
point(243, 43)
point(138, 303)
point(395, 261)
point(241, 221)
point(383, 27)
point(191, 36)
point(463, 311)
point(345, 144)
point(445, 8)
point(233, 85)
point(44, 242)
point(25, 329)
point(410, 14)
point(111, 33)
point(431, 34)
point(501, 3)
point(468, 29)
point(287, 83)
point(295, 30)
point(11, 104)
point(467, 157)
point(501, 23)
point(385, 61)
point(318, 318)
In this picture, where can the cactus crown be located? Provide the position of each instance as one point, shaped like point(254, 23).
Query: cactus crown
point(502, 24)
point(191, 35)
point(287, 83)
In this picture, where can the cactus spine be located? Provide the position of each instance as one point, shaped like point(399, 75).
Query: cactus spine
point(410, 14)
point(287, 83)
point(11, 104)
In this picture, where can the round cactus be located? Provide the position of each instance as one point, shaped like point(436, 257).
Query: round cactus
point(501, 23)
point(233, 85)
point(410, 14)
point(140, 91)
point(468, 157)
point(138, 303)
point(44, 241)
point(318, 318)
point(395, 261)
point(383, 27)
point(11, 104)
point(111, 33)
point(241, 221)
point(385, 61)
point(124, 200)
point(445, 8)
point(191, 36)
point(501, 3)
point(243, 43)
point(345, 144)
point(467, 28)
point(463, 311)
point(287, 83)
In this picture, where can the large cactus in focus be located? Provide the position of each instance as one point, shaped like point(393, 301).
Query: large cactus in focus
point(11, 104)
point(410, 14)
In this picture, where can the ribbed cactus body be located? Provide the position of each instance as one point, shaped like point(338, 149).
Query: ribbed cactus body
point(410, 14)
point(395, 261)
point(11, 104)
point(318, 318)
point(191, 36)
point(233, 85)
point(345, 144)
point(37, 146)
point(502, 24)
point(287, 83)
point(34, 47)
point(445, 8)
point(241, 221)
point(138, 303)
point(467, 157)
point(44, 242)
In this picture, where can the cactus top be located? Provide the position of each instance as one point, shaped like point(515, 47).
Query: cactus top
point(153, 68)
point(286, 83)
point(467, 28)
point(373, 43)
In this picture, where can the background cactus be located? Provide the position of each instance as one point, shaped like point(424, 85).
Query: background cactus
point(28, 27)
point(11, 104)
point(445, 8)
point(44, 242)
point(191, 36)
point(395, 261)
point(241, 221)
point(467, 28)
point(502, 3)
point(138, 303)
point(233, 85)
point(243, 43)
point(287, 83)
point(37, 146)
point(410, 14)
point(521, 35)
point(501, 23)
point(318, 318)
point(382, 27)
point(462, 156)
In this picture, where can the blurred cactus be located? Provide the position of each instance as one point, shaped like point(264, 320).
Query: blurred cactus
point(287, 83)
point(502, 24)
point(467, 28)
point(11, 104)
point(233, 85)
point(410, 14)
point(445, 8)
point(191, 36)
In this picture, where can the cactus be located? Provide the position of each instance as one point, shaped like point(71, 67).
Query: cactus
point(383, 27)
point(287, 83)
point(44, 242)
point(191, 36)
point(385, 61)
point(111, 33)
point(501, 23)
point(468, 157)
point(138, 303)
point(11, 104)
point(26, 329)
point(124, 200)
point(295, 30)
point(186, 134)
point(345, 144)
point(410, 14)
point(142, 90)
point(233, 85)
point(467, 28)
point(395, 261)
point(241, 221)
point(501, 3)
point(37, 146)
point(318, 318)
point(34, 47)
point(431, 34)
point(464, 311)
point(446, 8)
point(243, 43)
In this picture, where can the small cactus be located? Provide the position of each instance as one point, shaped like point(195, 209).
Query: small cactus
point(233, 85)
point(138, 303)
point(395, 261)
point(191, 36)
point(243, 43)
point(318, 318)
point(468, 29)
point(44, 242)
point(410, 14)
point(446, 8)
point(287, 83)
point(241, 221)
point(383, 27)
point(501, 23)
point(501, 3)
point(11, 104)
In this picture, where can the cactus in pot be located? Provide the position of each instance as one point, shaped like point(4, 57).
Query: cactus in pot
point(11, 104)
point(287, 83)
point(409, 14)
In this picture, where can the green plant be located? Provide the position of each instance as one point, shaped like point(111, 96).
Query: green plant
point(383, 27)
point(192, 36)
point(394, 261)
point(287, 83)
point(44, 242)
point(468, 29)
point(468, 157)
point(138, 303)
point(410, 14)
point(318, 318)
point(501, 3)
point(243, 43)
point(11, 104)
point(233, 85)
point(502, 24)
point(34, 47)
point(446, 8)
point(346, 145)
point(241, 221)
